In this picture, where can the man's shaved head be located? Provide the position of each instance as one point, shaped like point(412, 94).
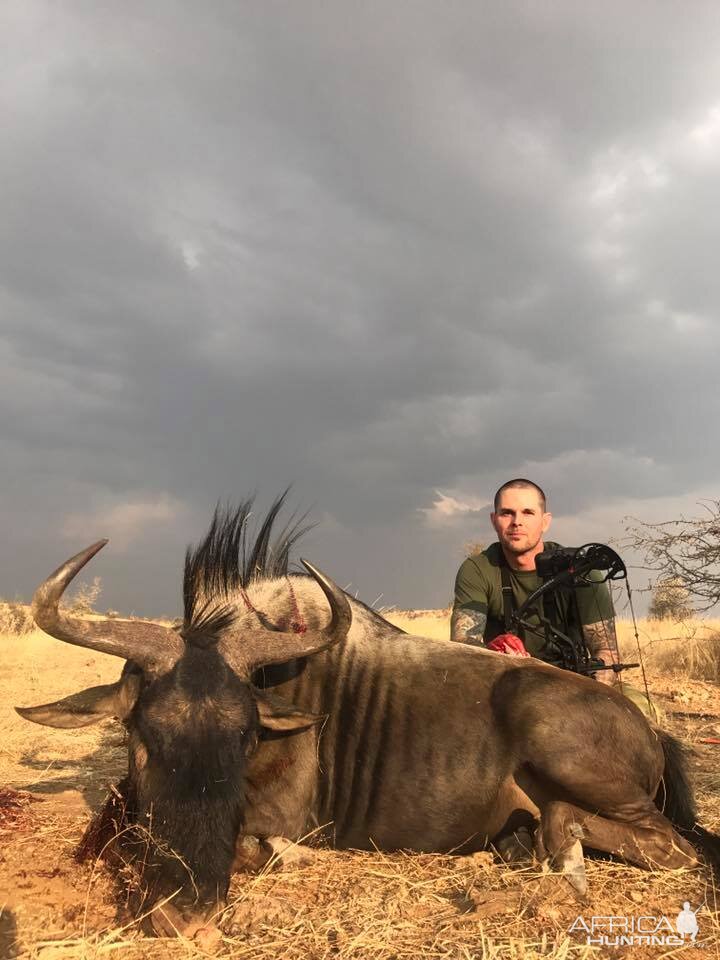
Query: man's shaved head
point(520, 484)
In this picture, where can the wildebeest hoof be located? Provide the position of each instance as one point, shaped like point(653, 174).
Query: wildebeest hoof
point(291, 854)
point(516, 847)
point(573, 868)
point(251, 854)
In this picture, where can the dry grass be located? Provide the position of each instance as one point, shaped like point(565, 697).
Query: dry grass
point(15, 618)
point(346, 905)
point(34, 669)
point(690, 648)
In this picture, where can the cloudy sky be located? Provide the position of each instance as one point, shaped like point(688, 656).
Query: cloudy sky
point(390, 253)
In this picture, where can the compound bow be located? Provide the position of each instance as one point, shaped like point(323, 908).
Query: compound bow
point(571, 567)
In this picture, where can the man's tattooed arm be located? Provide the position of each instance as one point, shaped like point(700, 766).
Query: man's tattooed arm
point(601, 641)
point(467, 626)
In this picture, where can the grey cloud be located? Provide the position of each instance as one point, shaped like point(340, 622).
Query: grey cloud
point(363, 249)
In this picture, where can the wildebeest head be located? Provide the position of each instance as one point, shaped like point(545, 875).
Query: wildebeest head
point(193, 717)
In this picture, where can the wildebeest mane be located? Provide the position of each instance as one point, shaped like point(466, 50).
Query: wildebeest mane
point(228, 560)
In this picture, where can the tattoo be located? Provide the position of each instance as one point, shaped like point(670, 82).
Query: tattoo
point(601, 641)
point(601, 637)
point(468, 626)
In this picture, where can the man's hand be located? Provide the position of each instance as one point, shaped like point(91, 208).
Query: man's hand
point(468, 626)
point(607, 676)
point(601, 641)
point(509, 644)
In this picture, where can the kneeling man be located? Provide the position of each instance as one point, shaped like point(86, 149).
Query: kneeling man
point(481, 612)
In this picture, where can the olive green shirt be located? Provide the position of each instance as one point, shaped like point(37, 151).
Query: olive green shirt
point(478, 586)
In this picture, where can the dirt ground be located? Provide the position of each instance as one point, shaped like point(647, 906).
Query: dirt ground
point(347, 905)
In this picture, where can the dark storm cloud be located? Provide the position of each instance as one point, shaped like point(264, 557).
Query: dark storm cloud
point(388, 253)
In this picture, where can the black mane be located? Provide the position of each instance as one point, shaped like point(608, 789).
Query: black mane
point(228, 560)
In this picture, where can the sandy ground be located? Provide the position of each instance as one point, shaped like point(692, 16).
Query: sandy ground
point(348, 904)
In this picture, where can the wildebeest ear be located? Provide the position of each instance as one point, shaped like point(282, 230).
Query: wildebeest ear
point(88, 706)
point(277, 714)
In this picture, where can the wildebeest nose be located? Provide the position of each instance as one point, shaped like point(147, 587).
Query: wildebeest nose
point(168, 921)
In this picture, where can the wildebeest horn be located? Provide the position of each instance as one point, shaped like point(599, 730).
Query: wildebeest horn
point(275, 646)
point(145, 643)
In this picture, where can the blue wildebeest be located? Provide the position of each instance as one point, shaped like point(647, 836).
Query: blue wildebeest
point(282, 706)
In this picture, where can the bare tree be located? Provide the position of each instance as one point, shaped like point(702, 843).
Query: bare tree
point(685, 550)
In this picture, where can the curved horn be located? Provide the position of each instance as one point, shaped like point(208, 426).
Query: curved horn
point(271, 646)
point(145, 643)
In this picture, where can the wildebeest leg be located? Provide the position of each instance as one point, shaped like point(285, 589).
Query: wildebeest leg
point(648, 840)
point(512, 835)
point(558, 840)
point(514, 842)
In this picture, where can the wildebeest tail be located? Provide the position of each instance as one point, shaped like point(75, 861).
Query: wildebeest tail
point(675, 794)
point(676, 801)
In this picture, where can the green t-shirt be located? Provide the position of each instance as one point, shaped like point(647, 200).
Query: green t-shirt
point(478, 586)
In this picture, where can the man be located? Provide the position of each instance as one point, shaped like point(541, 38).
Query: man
point(520, 519)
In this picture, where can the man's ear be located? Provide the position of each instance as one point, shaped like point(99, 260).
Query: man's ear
point(88, 706)
point(277, 714)
point(547, 518)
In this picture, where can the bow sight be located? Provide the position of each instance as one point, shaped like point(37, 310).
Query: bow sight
point(571, 568)
point(579, 561)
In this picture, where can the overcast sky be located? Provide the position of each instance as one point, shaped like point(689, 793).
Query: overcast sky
point(391, 253)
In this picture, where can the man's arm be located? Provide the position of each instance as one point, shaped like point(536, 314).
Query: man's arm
point(598, 619)
point(467, 626)
point(469, 614)
point(601, 640)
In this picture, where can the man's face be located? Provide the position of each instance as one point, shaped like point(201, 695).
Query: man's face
point(519, 521)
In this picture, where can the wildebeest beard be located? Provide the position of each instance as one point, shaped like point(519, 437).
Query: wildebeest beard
point(192, 732)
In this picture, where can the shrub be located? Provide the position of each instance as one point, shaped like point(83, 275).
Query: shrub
point(473, 548)
point(84, 598)
point(670, 600)
point(697, 658)
point(15, 618)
